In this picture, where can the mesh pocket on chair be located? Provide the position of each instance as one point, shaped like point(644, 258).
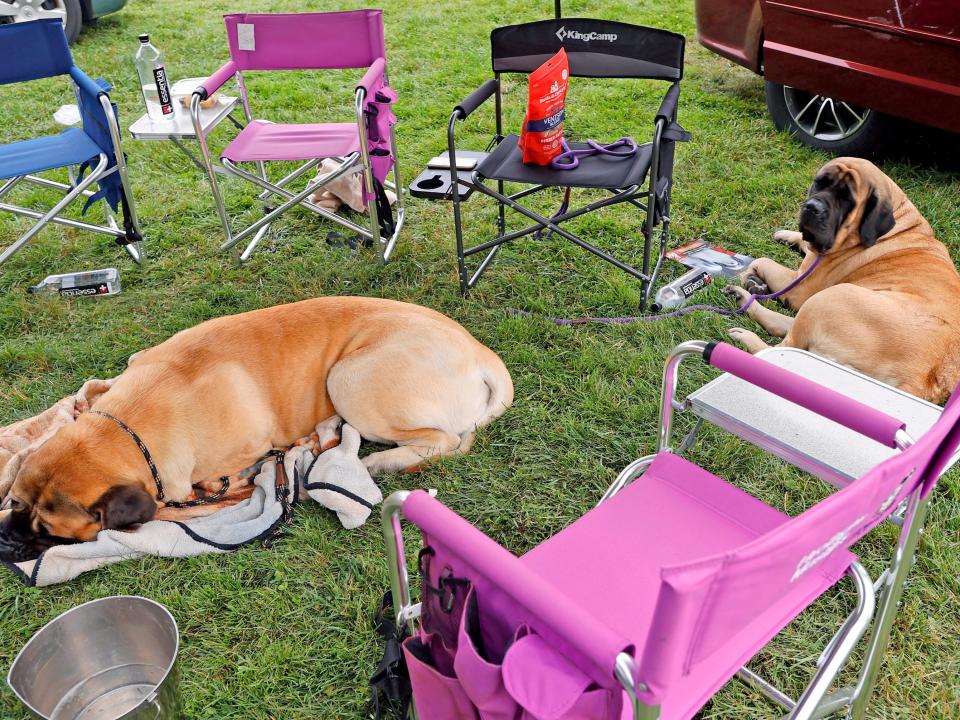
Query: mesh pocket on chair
point(479, 671)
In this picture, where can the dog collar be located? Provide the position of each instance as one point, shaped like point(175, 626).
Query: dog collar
point(155, 474)
point(143, 449)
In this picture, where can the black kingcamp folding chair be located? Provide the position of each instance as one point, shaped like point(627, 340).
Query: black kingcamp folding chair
point(596, 49)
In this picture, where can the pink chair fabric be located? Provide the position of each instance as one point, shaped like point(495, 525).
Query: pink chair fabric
point(306, 41)
point(312, 41)
point(690, 574)
point(267, 141)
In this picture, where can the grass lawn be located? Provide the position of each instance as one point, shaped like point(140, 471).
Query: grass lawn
point(285, 633)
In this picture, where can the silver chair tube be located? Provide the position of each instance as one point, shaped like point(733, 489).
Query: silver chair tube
point(248, 116)
point(11, 184)
point(625, 670)
point(890, 599)
point(78, 224)
point(211, 174)
point(47, 182)
point(630, 473)
point(55, 210)
point(840, 647)
point(368, 185)
point(396, 557)
point(135, 250)
point(299, 198)
point(668, 388)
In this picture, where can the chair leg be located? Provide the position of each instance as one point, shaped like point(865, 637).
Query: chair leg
point(374, 216)
point(399, 190)
point(880, 638)
point(11, 184)
point(55, 210)
point(291, 200)
point(811, 703)
point(134, 249)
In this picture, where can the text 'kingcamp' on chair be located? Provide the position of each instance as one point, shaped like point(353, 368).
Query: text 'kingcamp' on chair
point(310, 41)
point(38, 49)
point(657, 597)
point(595, 49)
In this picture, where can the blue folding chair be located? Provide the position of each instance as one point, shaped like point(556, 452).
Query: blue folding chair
point(38, 49)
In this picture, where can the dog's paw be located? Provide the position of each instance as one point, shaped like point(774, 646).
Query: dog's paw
point(736, 292)
point(753, 284)
point(748, 339)
point(791, 238)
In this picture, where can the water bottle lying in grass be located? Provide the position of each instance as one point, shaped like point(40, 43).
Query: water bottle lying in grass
point(80, 284)
point(676, 292)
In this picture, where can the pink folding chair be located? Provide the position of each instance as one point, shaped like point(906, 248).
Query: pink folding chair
point(652, 601)
point(309, 41)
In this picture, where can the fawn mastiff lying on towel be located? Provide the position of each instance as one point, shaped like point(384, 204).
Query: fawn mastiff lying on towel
point(217, 397)
point(885, 298)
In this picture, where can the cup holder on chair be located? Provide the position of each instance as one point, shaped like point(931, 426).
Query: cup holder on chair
point(433, 182)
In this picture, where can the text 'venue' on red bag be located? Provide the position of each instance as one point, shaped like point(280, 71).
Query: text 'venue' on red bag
point(541, 137)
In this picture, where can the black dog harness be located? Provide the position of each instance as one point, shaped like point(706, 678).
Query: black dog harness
point(155, 474)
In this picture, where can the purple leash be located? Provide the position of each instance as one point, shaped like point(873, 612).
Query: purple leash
point(569, 159)
point(684, 310)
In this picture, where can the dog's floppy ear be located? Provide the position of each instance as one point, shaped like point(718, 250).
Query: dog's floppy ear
point(877, 220)
point(122, 506)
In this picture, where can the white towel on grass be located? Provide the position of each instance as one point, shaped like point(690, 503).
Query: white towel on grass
point(336, 479)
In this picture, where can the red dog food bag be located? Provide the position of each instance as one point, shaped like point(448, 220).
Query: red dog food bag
point(542, 133)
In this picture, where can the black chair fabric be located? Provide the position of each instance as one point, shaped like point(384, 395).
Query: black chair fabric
point(595, 48)
point(594, 171)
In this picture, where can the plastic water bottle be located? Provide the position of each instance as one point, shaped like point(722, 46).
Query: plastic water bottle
point(676, 293)
point(80, 284)
point(153, 81)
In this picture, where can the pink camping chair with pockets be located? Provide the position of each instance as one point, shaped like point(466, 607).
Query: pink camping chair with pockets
point(652, 601)
point(365, 146)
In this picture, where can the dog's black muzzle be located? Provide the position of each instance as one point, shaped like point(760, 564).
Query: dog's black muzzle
point(18, 541)
point(817, 223)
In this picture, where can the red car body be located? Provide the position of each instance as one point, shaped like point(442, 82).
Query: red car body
point(900, 57)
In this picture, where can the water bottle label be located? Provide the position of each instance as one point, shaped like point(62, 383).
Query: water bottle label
point(83, 290)
point(689, 288)
point(163, 90)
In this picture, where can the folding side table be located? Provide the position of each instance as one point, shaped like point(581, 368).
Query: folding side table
point(802, 438)
point(180, 127)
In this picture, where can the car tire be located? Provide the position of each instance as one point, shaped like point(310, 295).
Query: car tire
point(826, 123)
point(74, 20)
point(69, 10)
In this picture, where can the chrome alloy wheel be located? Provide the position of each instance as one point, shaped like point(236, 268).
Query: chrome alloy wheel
point(822, 117)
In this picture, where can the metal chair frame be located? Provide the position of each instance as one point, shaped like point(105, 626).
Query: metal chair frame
point(816, 701)
point(358, 162)
point(73, 191)
point(641, 197)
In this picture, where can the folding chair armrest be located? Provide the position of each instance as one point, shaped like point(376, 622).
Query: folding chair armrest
point(668, 108)
point(85, 82)
point(550, 612)
point(372, 77)
point(213, 83)
point(846, 411)
point(476, 98)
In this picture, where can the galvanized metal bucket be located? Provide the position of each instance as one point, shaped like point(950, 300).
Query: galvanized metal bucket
point(109, 659)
